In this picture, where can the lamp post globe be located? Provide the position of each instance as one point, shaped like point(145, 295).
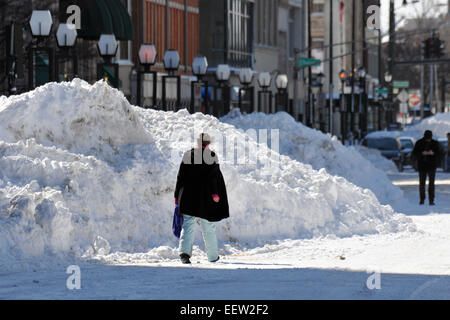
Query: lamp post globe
point(246, 76)
point(264, 80)
point(362, 73)
point(171, 60)
point(223, 72)
point(66, 35)
point(281, 82)
point(107, 46)
point(200, 66)
point(147, 54)
point(387, 77)
point(41, 23)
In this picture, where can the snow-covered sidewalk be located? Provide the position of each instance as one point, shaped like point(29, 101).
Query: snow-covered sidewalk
point(409, 265)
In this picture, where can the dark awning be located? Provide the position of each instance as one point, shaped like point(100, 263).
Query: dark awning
point(99, 17)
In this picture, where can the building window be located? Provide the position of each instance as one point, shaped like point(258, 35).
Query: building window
point(266, 22)
point(292, 32)
point(240, 31)
point(124, 46)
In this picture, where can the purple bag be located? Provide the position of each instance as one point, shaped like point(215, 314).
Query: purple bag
point(177, 224)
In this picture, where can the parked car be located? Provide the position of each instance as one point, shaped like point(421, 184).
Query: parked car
point(389, 145)
point(443, 143)
point(408, 144)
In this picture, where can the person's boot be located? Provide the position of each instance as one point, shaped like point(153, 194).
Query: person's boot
point(432, 203)
point(185, 258)
point(422, 202)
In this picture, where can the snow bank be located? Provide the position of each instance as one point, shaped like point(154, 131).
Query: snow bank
point(83, 173)
point(439, 124)
point(320, 151)
point(377, 159)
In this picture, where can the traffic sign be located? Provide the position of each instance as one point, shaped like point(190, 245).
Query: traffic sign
point(414, 100)
point(404, 108)
point(401, 84)
point(382, 91)
point(306, 62)
point(403, 96)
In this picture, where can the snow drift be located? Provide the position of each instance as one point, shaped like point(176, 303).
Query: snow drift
point(84, 173)
point(439, 124)
point(310, 146)
point(376, 158)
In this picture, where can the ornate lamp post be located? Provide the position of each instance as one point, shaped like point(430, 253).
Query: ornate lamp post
point(222, 91)
point(171, 64)
point(199, 69)
point(66, 38)
point(246, 79)
point(41, 23)
point(281, 97)
point(316, 90)
point(147, 58)
point(265, 95)
point(107, 47)
point(362, 101)
point(343, 75)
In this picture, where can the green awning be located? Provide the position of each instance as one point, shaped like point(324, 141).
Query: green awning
point(100, 17)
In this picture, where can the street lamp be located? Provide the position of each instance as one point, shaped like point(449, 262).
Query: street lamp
point(316, 89)
point(41, 23)
point(171, 64)
point(362, 106)
point(343, 75)
point(246, 78)
point(222, 91)
point(281, 97)
point(147, 58)
point(199, 69)
point(107, 46)
point(265, 95)
point(66, 37)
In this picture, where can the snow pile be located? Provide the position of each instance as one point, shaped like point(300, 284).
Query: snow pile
point(439, 124)
point(83, 174)
point(76, 116)
point(377, 159)
point(320, 151)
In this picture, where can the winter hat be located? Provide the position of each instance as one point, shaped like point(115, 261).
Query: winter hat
point(428, 134)
point(204, 140)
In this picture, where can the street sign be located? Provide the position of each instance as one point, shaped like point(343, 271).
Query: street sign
point(382, 91)
point(404, 108)
point(401, 84)
point(306, 62)
point(414, 100)
point(403, 96)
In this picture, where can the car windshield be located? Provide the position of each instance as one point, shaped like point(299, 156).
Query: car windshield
point(407, 144)
point(382, 144)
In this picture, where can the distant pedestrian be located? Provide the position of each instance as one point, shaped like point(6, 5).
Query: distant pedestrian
point(447, 154)
point(201, 194)
point(428, 154)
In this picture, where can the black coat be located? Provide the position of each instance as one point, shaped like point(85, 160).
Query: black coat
point(199, 177)
point(427, 162)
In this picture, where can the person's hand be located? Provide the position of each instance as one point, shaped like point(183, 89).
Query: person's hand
point(216, 198)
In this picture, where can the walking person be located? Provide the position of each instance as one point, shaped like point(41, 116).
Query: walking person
point(201, 194)
point(447, 154)
point(427, 152)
